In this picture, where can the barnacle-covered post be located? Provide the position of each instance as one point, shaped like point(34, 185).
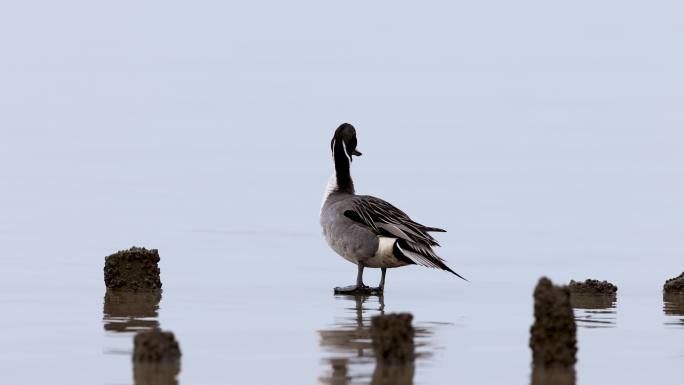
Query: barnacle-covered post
point(553, 338)
point(133, 270)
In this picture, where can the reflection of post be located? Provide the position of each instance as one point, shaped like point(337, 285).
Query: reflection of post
point(156, 358)
point(673, 299)
point(155, 374)
point(130, 312)
point(673, 303)
point(393, 375)
point(394, 349)
point(350, 341)
point(593, 301)
point(594, 310)
point(353, 357)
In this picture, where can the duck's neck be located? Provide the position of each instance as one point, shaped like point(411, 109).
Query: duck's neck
point(342, 169)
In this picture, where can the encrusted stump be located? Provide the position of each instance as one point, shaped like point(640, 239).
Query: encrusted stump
point(156, 358)
point(673, 295)
point(592, 286)
point(135, 269)
point(592, 294)
point(553, 338)
point(674, 285)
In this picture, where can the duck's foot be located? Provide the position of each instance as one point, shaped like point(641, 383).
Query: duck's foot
point(358, 289)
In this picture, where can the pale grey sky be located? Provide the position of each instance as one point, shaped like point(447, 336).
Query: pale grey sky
point(527, 117)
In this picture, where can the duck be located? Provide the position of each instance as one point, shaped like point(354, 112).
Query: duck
point(368, 231)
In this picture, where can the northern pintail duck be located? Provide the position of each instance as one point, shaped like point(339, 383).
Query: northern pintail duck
point(366, 230)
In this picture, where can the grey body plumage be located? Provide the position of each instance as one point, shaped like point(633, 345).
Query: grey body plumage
point(366, 230)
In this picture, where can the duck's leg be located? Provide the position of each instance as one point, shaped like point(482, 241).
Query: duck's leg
point(359, 288)
point(353, 288)
point(381, 287)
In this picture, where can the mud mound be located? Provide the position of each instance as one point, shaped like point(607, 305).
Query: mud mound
point(674, 285)
point(592, 286)
point(553, 335)
point(134, 269)
point(392, 336)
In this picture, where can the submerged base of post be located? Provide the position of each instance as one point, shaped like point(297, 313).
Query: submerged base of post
point(553, 376)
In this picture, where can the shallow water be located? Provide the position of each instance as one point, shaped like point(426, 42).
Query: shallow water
point(594, 311)
point(234, 326)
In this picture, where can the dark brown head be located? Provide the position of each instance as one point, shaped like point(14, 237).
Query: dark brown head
point(345, 140)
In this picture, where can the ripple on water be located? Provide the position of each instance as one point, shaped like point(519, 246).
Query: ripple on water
point(350, 358)
point(594, 310)
point(673, 307)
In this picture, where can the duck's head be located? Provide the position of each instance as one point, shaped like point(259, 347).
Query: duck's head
point(345, 140)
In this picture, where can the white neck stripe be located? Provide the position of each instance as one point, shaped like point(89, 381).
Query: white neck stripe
point(344, 146)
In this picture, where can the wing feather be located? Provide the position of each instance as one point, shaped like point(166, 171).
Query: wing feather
point(374, 211)
point(385, 219)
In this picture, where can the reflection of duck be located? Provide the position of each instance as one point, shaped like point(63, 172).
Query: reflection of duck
point(350, 341)
point(131, 312)
point(351, 351)
point(594, 310)
point(673, 304)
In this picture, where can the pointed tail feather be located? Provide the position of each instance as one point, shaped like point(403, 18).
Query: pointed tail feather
point(426, 261)
point(447, 268)
point(435, 230)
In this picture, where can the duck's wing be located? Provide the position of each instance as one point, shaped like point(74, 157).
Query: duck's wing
point(381, 216)
point(384, 219)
